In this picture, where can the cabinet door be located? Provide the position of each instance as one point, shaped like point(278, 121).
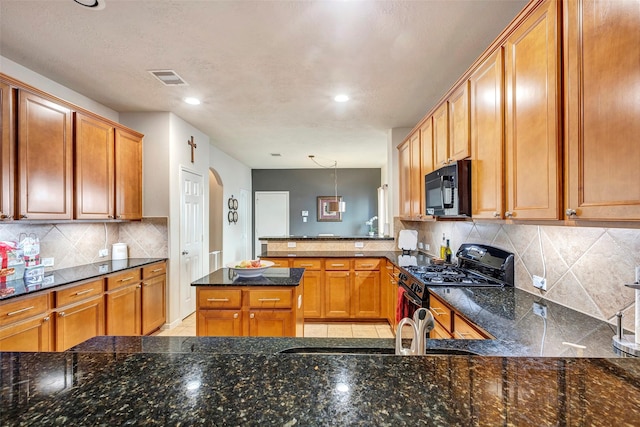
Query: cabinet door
point(29, 335)
point(78, 323)
point(459, 123)
point(123, 311)
point(267, 323)
point(153, 304)
point(279, 262)
point(219, 323)
point(440, 136)
point(94, 171)
point(7, 150)
point(404, 167)
point(313, 293)
point(414, 171)
point(602, 126)
point(487, 141)
point(532, 117)
point(337, 297)
point(45, 158)
point(128, 164)
point(426, 157)
point(366, 294)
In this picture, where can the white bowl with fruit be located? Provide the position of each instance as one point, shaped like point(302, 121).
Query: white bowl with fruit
point(249, 268)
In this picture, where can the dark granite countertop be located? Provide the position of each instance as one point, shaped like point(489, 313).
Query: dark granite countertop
point(67, 276)
point(271, 277)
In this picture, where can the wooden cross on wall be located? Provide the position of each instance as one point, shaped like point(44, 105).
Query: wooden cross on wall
point(193, 147)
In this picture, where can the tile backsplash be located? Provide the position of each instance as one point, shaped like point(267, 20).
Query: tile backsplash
point(585, 267)
point(77, 243)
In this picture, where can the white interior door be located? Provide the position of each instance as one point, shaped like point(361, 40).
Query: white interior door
point(271, 215)
point(191, 239)
point(245, 224)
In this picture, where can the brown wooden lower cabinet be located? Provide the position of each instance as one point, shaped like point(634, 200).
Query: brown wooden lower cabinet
point(79, 322)
point(449, 324)
point(153, 303)
point(29, 335)
point(123, 310)
point(337, 294)
point(249, 311)
point(365, 294)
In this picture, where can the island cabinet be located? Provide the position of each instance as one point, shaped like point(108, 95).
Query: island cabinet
point(7, 150)
point(25, 324)
point(601, 75)
point(79, 313)
point(45, 158)
point(352, 290)
point(123, 303)
point(248, 311)
point(532, 116)
point(366, 301)
point(487, 141)
point(337, 291)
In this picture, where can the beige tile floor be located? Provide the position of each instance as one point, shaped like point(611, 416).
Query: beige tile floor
point(311, 330)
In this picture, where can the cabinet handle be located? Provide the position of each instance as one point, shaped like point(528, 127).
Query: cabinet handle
point(252, 315)
point(217, 299)
point(337, 265)
point(306, 265)
point(126, 279)
point(61, 314)
point(571, 212)
point(23, 216)
point(268, 299)
point(86, 291)
point(508, 214)
point(463, 335)
point(235, 315)
point(437, 311)
point(156, 270)
point(22, 310)
point(365, 265)
point(110, 217)
point(138, 286)
point(3, 216)
point(299, 301)
point(119, 216)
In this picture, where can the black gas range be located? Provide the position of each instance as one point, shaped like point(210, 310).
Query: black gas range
point(477, 266)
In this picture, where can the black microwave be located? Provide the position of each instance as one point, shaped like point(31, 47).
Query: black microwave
point(448, 190)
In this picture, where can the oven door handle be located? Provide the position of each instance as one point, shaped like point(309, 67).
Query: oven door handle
point(412, 299)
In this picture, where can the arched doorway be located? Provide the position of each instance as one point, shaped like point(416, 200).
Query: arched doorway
point(216, 208)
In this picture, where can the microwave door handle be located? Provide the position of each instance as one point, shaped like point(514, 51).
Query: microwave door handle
point(442, 191)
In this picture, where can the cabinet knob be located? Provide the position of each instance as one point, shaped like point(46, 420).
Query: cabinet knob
point(185, 252)
point(62, 314)
point(3, 216)
point(252, 315)
point(571, 212)
point(496, 214)
point(110, 217)
point(23, 216)
point(508, 214)
point(235, 315)
point(46, 319)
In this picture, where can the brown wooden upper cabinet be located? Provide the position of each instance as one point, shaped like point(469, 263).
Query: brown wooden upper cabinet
point(532, 117)
point(487, 141)
point(7, 160)
point(459, 123)
point(404, 167)
point(426, 157)
point(602, 126)
point(441, 136)
point(415, 160)
point(108, 170)
point(411, 159)
point(45, 158)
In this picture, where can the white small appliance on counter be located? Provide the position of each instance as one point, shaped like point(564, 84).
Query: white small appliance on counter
point(119, 251)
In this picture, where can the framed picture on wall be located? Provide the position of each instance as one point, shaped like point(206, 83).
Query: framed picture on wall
point(323, 209)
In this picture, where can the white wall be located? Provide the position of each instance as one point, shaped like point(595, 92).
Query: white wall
point(38, 81)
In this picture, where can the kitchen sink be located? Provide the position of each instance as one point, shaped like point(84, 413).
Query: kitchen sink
point(371, 351)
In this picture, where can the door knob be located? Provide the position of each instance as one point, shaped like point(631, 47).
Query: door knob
point(185, 252)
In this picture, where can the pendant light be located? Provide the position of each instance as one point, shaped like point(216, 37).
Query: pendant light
point(336, 205)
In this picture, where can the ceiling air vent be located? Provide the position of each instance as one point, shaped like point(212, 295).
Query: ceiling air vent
point(169, 78)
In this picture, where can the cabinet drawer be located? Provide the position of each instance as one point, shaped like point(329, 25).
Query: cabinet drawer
point(154, 270)
point(279, 262)
point(219, 298)
point(309, 264)
point(463, 330)
point(270, 298)
point(78, 293)
point(23, 309)
point(337, 264)
point(441, 312)
point(367, 264)
point(123, 279)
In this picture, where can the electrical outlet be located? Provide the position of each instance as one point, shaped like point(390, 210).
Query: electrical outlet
point(103, 252)
point(426, 246)
point(540, 310)
point(420, 245)
point(48, 262)
point(291, 244)
point(359, 244)
point(104, 268)
point(540, 282)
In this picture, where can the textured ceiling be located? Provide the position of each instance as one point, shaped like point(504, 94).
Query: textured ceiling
point(266, 71)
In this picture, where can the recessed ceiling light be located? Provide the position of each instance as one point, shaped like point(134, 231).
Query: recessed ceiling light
point(91, 4)
point(341, 98)
point(192, 101)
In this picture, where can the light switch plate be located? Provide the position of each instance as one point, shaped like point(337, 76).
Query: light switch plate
point(48, 262)
point(359, 244)
point(304, 219)
point(103, 252)
point(305, 213)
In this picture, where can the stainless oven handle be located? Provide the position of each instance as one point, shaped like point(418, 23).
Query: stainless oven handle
point(412, 299)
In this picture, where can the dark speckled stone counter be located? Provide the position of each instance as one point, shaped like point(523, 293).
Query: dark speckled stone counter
point(323, 238)
point(271, 277)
